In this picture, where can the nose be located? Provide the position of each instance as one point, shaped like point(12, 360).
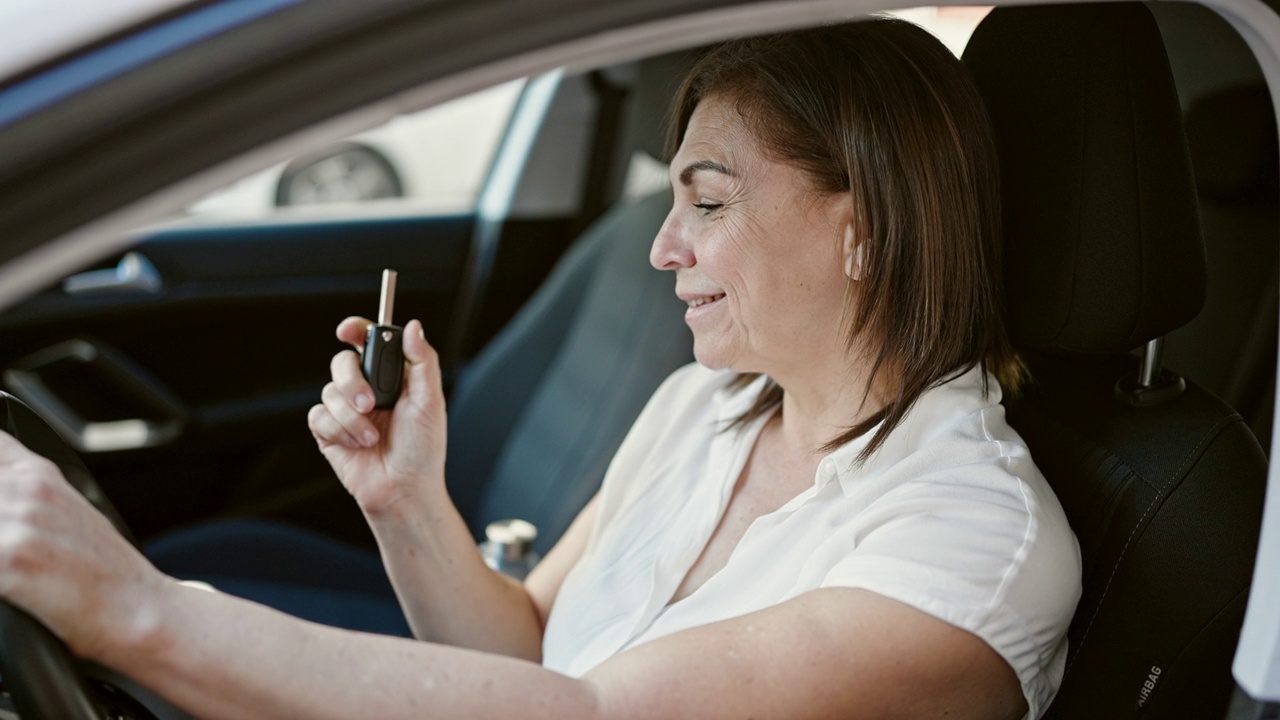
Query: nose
point(670, 249)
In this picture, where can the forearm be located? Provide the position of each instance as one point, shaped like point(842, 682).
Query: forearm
point(392, 462)
point(447, 592)
point(222, 657)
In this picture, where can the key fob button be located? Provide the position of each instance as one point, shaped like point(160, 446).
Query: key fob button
point(389, 369)
point(383, 364)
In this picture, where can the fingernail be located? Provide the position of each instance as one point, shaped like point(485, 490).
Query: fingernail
point(370, 438)
point(364, 403)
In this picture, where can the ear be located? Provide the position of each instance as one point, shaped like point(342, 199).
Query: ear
point(852, 252)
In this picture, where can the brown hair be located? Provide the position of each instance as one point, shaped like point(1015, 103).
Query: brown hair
point(881, 110)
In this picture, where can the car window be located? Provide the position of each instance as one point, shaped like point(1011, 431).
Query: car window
point(435, 161)
point(952, 25)
point(429, 162)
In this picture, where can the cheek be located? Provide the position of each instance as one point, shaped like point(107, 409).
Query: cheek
point(800, 286)
point(772, 266)
point(728, 252)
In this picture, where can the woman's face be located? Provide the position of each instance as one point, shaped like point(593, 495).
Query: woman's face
point(759, 255)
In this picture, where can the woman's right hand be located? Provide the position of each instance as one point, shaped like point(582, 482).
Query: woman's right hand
point(388, 459)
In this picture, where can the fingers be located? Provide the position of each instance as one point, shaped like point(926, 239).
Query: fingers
point(352, 331)
point(350, 381)
point(9, 445)
point(328, 430)
point(424, 364)
point(61, 560)
point(14, 453)
point(416, 347)
point(346, 400)
point(29, 486)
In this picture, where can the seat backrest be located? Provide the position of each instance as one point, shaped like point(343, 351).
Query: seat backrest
point(1103, 254)
point(535, 422)
point(536, 417)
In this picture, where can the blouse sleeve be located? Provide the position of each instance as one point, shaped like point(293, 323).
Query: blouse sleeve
point(976, 547)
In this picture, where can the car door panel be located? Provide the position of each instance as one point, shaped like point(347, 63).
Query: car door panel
point(240, 335)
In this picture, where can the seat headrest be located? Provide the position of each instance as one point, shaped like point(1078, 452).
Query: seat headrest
point(1102, 234)
point(1232, 133)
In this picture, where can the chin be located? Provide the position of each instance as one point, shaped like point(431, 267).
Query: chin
point(716, 357)
point(709, 358)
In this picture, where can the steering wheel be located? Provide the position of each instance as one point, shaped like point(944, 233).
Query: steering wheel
point(44, 680)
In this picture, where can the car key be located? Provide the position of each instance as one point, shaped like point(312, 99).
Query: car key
point(383, 359)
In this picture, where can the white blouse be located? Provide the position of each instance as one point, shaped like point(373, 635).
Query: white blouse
point(949, 516)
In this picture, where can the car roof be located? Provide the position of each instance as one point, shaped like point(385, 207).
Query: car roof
point(37, 31)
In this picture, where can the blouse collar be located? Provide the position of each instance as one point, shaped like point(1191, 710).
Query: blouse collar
point(956, 396)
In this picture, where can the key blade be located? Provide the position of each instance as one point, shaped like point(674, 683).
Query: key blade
point(388, 300)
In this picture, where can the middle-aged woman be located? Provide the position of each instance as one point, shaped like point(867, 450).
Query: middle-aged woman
point(826, 516)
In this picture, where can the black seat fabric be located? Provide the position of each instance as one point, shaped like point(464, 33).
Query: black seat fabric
point(1166, 502)
point(538, 415)
point(1232, 135)
point(1103, 253)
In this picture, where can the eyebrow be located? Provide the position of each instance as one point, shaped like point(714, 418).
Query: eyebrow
point(686, 175)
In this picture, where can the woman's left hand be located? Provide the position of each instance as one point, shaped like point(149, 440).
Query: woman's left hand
point(62, 561)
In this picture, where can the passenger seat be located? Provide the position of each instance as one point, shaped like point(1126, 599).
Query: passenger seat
point(535, 418)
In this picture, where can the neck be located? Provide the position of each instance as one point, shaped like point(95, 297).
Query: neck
point(824, 401)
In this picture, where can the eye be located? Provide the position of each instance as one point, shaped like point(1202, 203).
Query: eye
point(708, 207)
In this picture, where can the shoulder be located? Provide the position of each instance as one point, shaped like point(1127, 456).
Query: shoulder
point(960, 480)
point(956, 520)
point(972, 502)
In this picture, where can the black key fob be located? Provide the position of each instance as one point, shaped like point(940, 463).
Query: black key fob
point(383, 358)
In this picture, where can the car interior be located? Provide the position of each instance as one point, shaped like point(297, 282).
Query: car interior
point(1141, 183)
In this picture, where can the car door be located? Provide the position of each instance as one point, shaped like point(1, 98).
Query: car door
point(182, 369)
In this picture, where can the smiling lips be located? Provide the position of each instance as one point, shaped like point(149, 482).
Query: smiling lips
point(704, 300)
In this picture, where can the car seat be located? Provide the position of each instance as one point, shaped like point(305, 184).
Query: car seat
point(535, 418)
point(1162, 482)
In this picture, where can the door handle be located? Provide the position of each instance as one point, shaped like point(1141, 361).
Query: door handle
point(96, 398)
point(133, 274)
